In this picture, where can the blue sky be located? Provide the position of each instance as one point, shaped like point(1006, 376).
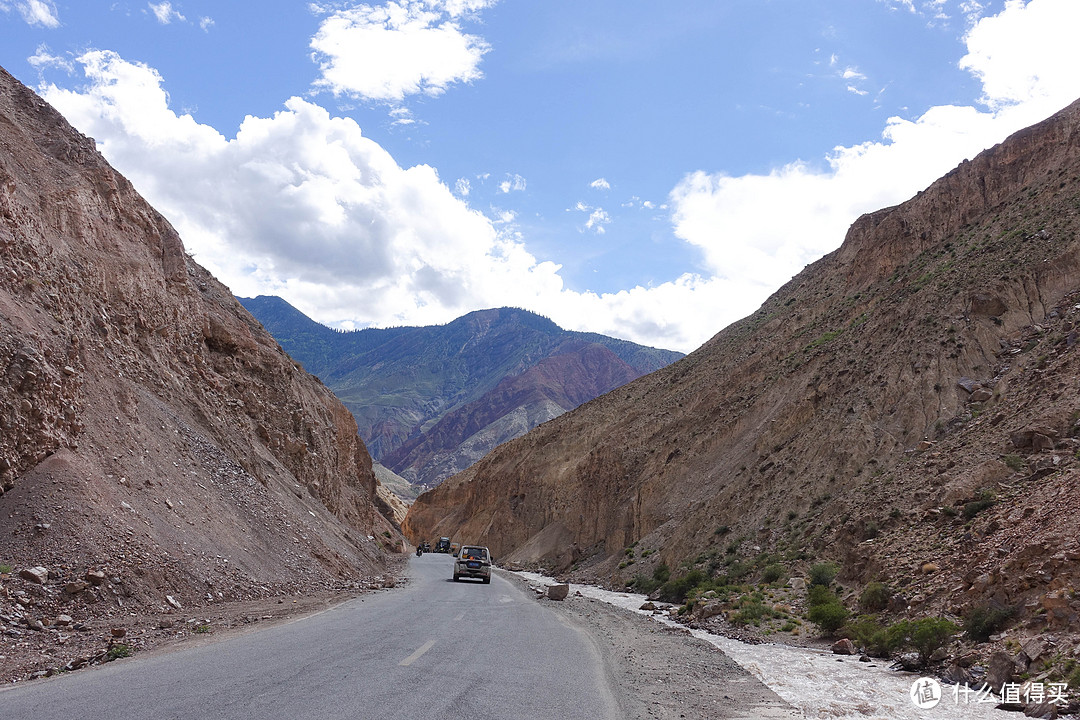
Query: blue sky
point(647, 170)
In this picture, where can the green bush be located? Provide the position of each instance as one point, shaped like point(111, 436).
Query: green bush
point(862, 630)
point(820, 595)
point(774, 573)
point(982, 621)
point(830, 617)
point(118, 651)
point(645, 584)
point(676, 590)
point(875, 597)
point(976, 506)
point(929, 634)
point(823, 573)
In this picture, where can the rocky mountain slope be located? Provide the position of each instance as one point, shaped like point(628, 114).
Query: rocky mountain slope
point(158, 449)
point(906, 407)
point(430, 401)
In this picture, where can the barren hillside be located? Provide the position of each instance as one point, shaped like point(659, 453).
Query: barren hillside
point(158, 449)
point(907, 407)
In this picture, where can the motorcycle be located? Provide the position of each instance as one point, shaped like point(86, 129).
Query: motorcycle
point(419, 550)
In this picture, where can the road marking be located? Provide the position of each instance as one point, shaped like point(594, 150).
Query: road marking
point(416, 655)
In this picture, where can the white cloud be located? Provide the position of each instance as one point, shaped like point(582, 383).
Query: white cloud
point(462, 187)
point(512, 183)
point(305, 206)
point(43, 58)
point(597, 220)
point(205, 23)
point(165, 13)
point(387, 52)
point(756, 231)
point(34, 12)
point(600, 184)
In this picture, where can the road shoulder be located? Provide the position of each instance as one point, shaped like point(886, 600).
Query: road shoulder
point(663, 672)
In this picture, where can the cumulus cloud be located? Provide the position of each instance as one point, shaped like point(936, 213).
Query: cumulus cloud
point(205, 23)
point(598, 218)
point(512, 183)
point(600, 184)
point(303, 205)
point(165, 13)
point(34, 12)
point(405, 47)
point(463, 187)
point(753, 248)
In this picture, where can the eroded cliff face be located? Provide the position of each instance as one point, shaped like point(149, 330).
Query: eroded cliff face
point(848, 418)
point(149, 426)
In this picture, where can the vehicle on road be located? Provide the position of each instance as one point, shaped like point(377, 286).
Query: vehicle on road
point(474, 561)
point(454, 548)
point(426, 546)
point(443, 545)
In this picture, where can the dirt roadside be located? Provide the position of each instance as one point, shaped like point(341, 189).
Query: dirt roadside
point(665, 673)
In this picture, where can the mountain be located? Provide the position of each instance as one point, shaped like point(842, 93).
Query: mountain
point(906, 407)
point(158, 449)
point(430, 401)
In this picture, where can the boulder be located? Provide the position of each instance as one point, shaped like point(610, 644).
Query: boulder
point(558, 592)
point(705, 611)
point(95, 577)
point(76, 587)
point(648, 606)
point(37, 575)
point(843, 646)
point(1002, 669)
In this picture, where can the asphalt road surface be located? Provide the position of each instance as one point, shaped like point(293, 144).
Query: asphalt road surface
point(434, 649)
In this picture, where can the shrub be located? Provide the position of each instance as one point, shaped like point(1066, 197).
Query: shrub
point(875, 597)
point(118, 651)
point(662, 573)
point(863, 629)
point(830, 617)
point(645, 584)
point(929, 634)
point(1015, 462)
point(820, 595)
point(983, 621)
point(774, 573)
point(676, 590)
point(983, 501)
point(823, 573)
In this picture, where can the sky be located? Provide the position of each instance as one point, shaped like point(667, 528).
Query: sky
point(650, 171)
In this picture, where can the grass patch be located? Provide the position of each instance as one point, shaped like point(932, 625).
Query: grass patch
point(119, 651)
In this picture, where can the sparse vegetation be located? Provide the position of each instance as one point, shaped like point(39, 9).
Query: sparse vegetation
point(823, 573)
point(982, 621)
point(1015, 462)
point(118, 651)
point(927, 635)
point(5, 569)
point(202, 629)
point(875, 597)
point(984, 500)
point(774, 573)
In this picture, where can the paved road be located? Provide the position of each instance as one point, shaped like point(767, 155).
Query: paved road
point(434, 649)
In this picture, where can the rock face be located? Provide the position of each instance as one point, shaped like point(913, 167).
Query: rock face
point(430, 401)
point(831, 422)
point(150, 429)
